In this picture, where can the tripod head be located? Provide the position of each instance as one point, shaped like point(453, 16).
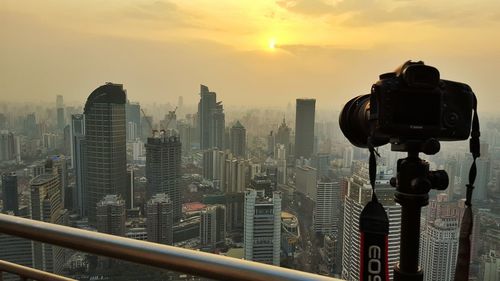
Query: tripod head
point(413, 183)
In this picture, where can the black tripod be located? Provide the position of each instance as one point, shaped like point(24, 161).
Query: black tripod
point(413, 183)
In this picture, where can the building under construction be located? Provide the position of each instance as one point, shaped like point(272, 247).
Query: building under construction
point(163, 168)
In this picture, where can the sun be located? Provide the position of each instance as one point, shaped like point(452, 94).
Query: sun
point(272, 43)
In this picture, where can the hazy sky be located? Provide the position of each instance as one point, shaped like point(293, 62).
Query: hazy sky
point(330, 50)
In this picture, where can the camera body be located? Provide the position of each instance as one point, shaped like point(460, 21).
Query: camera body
point(411, 103)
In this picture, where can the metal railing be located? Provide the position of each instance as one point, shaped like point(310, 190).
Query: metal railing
point(153, 254)
point(25, 272)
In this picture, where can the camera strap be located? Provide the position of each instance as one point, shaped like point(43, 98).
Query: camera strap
point(374, 230)
point(464, 246)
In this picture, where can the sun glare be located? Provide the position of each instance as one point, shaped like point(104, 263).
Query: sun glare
point(272, 43)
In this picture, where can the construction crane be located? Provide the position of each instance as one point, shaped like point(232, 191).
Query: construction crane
point(149, 122)
point(170, 113)
point(161, 127)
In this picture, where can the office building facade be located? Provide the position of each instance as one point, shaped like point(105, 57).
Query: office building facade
point(46, 206)
point(211, 120)
point(238, 140)
point(327, 208)
point(262, 227)
point(105, 146)
point(304, 128)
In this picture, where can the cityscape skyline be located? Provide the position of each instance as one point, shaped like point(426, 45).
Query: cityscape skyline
point(213, 128)
point(252, 161)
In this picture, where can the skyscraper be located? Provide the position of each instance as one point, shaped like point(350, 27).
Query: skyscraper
point(185, 136)
point(133, 115)
point(283, 135)
point(58, 165)
point(111, 215)
point(213, 226)
point(8, 146)
point(327, 208)
point(163, 169)
point(280, 155)
point(262, 227)
point(238, 139)
point(304, 128)
point(129, 199)
point(159, 219)
point(218, 126)
point(78, 162)
point(9, 193)
point(105, 145)
point(61, 122)
point(358, 194)
point(211, 120)
point(439, 238)
point(30, 126)
point(46, 205)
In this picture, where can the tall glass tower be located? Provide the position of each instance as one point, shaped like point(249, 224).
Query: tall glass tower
point(304, 127)
point(105, 145)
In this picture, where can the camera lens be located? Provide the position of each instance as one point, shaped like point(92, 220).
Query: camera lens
point(353, 120)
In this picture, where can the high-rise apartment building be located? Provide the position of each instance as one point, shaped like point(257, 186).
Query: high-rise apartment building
point(439, 249)
point(111, 215)
point(105, 146)
point(327, 208)
point(262, 227)
point(235, 175)
point(46, 205)
point(439, 238)
point(358, 195)
point(211, 120)
point(159, 219)
point(238, 140)
point(163, 169)
point(9, 146)
point(304, 127)
point(213, 226)
point(10, 193)
point(78, 162)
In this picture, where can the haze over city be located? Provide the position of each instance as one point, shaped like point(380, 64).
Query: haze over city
point(256, 53)
point(246, 140)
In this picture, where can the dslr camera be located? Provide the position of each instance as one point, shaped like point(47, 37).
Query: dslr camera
point(410, 104)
